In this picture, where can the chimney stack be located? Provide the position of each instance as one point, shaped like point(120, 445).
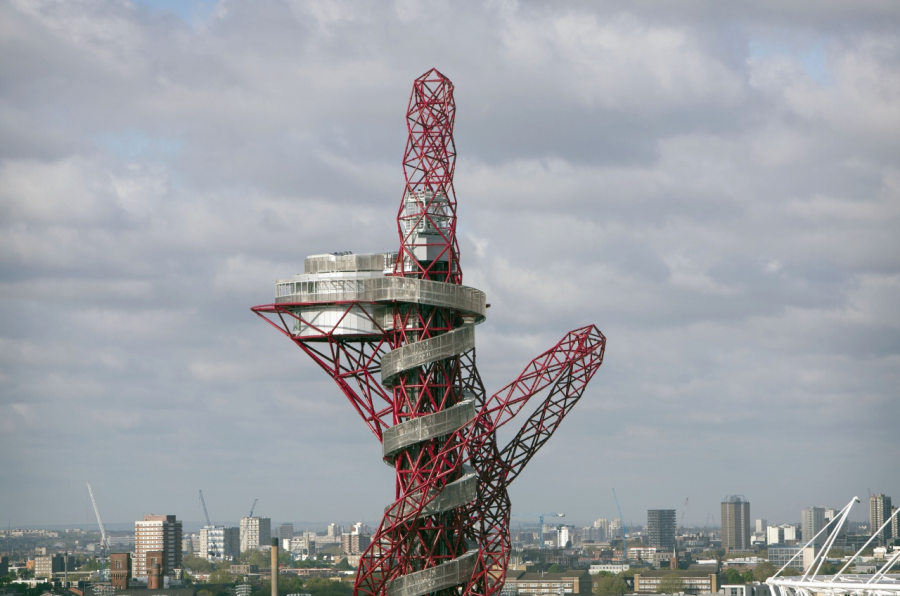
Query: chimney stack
point(274, 566)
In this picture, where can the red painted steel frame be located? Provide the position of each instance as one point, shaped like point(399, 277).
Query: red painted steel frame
point(408, 540)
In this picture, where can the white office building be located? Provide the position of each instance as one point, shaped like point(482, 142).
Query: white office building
point(218, 543)
point(255, 532)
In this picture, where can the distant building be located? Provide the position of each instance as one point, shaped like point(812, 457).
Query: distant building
point(761, 525)
point(285, 535)
point(335, 530)
point(360, 528)
point(218, 543)
point(243, 569)
point(695, 582)
point(791, 533)
point(879, 510)
point(895, 525)
point(614, 530)
point(47, 565)
point(735, 523)
point(592, 534)
point(285, 532)
point(562, 536)
point(754, 589)
point(774, 535)
point(780, 554)
point(255, 532)
point(661, 528)
point(4, 565)
point(569, 582)
point(608, 568)
point(120, 570)
point(812, 520)
point(355, 544)
point(160, 533)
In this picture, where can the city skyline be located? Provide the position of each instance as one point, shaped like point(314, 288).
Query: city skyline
point(716, 190)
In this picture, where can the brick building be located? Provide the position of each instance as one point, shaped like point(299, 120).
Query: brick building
point(120, 570)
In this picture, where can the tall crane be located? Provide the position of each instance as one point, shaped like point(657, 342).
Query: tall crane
point(104, 541)
point(540, 516)
point(253, 508)
point(205, 512)
point(624, 532)
point(209, 543)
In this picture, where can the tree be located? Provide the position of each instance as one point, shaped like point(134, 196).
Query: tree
point(763, 571)
point(553, 568)
point(196, 563)
point(256, 557)
point(790, 572)
point(828, 569)
point(344, 565)
point(221, 576)
point(670, 584)
point(733, 576)
point(610, 585)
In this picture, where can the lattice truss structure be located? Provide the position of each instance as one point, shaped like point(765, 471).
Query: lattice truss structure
point(396, 331)
point(811, 583)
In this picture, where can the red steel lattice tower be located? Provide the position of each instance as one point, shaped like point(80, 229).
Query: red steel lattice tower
point(396, 331)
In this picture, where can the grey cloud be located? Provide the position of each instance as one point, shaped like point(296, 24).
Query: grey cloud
point(680, 177)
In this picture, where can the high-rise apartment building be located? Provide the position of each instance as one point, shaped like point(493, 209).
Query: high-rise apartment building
point(812, 520)
point(761, 525)
point(335, 530)
point(354, 544)
point(157, 533)
point(896, 523)
point(218, 543)
point(774, 535)
point(879, 511)
point(661, 528)
point(735, 523)
point(255, 532)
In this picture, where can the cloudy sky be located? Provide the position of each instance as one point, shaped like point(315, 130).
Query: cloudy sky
point(715, 186)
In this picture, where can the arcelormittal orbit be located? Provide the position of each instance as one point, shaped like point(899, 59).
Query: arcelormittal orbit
point(396, 331)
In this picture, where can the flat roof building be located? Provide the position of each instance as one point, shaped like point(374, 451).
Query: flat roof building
point(812, 520)
point(661, 528)
point(567, 582)
point(880, 510)
point(693, 582)
point(255, 532)
point(735, 523)
point(157, 533)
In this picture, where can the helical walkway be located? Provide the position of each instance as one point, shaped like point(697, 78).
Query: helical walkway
point(405, 291)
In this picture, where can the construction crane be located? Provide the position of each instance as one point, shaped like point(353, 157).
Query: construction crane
point(540, 516)
point(624, 532)
point(215, 552)
point(205, 512)
point(104, 541)
point(253, 508)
